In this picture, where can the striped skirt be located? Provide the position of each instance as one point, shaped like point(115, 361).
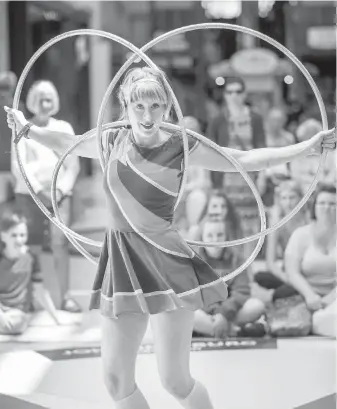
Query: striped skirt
point(135, 277)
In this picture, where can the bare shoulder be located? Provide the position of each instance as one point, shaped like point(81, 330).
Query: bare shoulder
point(303, 233)
point(62, 125)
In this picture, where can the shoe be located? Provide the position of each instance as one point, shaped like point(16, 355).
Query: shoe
point(70, 305)
point(253, 330)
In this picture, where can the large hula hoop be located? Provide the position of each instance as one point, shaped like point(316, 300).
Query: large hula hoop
point(173, 127)
point(68, 232)
point(280, 47)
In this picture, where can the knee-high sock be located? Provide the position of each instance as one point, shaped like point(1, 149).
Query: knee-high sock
point(197, 399)
point(134, 401)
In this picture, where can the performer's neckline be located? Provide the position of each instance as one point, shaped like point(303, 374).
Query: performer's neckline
point(161, 145)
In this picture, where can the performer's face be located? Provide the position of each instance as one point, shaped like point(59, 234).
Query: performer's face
point(288, 200)
point(15, 239)
point(146, 116)
point(217, 207)
point(214, 232)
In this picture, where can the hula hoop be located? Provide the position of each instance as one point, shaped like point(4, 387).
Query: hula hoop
point(173, 127)
point(293, 58)
point(139, 53)
point(68, 232)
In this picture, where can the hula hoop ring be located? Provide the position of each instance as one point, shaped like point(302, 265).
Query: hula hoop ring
point(68, 232)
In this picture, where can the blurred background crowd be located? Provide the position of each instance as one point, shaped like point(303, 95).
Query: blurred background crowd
point(237, 90)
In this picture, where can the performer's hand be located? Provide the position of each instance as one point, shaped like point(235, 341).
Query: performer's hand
point(15, 119)
point(323, 140)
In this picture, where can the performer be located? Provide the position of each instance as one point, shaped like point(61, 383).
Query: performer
point(145, 267)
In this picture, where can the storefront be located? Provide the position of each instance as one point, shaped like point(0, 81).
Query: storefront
point(63, 63)
point(262, 71)
point(311, 35)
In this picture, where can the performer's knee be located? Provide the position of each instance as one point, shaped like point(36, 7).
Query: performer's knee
point(118, 382)
point(177, 385)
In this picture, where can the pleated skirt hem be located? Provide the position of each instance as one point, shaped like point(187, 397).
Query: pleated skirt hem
point(140, 303)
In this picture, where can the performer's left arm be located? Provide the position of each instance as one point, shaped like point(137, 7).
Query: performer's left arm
point(258, 159)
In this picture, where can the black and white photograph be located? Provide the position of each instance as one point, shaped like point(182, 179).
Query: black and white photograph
point(168, 178)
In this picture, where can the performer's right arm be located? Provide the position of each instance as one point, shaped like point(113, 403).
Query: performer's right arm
point(57, 141)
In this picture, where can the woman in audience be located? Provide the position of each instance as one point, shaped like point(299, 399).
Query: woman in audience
point(20, 277)
point(303, 170)
point(310, 261)
point(226, 318)
point(288, 194)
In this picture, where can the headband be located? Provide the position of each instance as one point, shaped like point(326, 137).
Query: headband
point(146, 80)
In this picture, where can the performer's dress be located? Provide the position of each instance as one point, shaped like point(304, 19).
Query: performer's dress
point(145, 265)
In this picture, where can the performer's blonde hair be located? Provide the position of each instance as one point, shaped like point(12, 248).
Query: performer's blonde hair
point(34, 94)
point(141, 83)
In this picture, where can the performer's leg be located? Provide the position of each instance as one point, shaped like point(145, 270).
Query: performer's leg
point(121, 339)
point(172, 335)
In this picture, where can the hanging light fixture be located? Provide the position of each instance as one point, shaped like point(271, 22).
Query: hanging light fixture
point(222, 9)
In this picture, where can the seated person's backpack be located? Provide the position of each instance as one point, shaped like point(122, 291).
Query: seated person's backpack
point(289, 317)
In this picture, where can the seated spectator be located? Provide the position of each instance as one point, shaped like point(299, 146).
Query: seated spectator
point(276, 136)
point(304, 169)
point(20, 277)
point(288, 195)
point(310, 262)
point(225, 318)
point(219, 207)
point(198, 183)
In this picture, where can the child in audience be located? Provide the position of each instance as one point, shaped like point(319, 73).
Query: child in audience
point(219, 207)
point(226, 318)
point(288, 194)
point(20, 277)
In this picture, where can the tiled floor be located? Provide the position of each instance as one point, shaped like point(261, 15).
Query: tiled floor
point(296, 372)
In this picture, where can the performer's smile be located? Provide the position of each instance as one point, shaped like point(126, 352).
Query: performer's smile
point(148, 126)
